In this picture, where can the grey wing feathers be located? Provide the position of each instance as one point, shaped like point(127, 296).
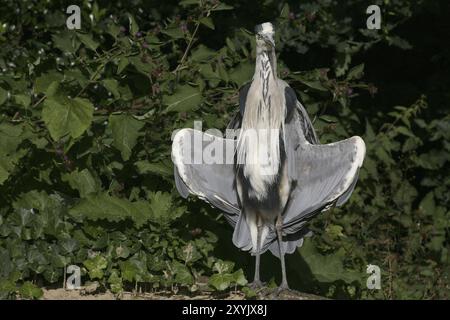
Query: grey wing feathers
point(243, 97)
point(307, 127)
point(302, 119)
point(241, 234)
point(323, 175)
point(210, 181)
point(290, 242)
point(343, 199)
point(235, 122)
point(179, 183)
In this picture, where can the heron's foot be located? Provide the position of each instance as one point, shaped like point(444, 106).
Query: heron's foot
point(256, 284)
point(283, 288)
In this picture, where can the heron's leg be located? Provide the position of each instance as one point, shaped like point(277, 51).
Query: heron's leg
point(279, 226)
point(258, 254)
point(256, 280)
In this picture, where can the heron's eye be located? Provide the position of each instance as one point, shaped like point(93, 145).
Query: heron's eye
point(259, 37)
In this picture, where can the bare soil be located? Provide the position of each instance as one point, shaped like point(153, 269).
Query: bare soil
point(83, 294)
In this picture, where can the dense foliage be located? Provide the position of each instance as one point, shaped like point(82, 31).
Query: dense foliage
point(86, 119)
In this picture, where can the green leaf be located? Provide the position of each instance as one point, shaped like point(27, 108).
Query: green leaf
point(239, 278)
point(96, 266)
point(285, 11)
point(22, 99)
point(182, 274)
point(63, 115)
point(202, 53)
point(222, 6)
point(405, 131)
point(113, 29)
point(70, 245)
point(161, 208)
point(39, 200)
point(6, 166)
point(66, 41)
point(134, 28)
point(11, 136)
point(161, 169)
point(30, 291)
point(7, 288)
point(113, 209)
point(207, 21)
point(207, 72)
point(77, 76)
point(356, 72)
point(43, 82)
point(334, 231)
point(123, 63)
point(249, 293)
point(242, 73)
point(83, 181)
point(112, 86)
point(125, 131)
point(399, 42)
point(223, 266)
point(326, 268)
point(88, 41)
point(122, 252)
point(115, 282)
point(189, 253)
point(314, 84)
point(130, 270)
point(3, 96)
point(343, 61)
point(310, 82)
point(220, 281)
point(185, 98)
point(427, 205)
point(143, 67)
point(383, 155)
point(186, 3)
point(52, 90)
point(174, 33)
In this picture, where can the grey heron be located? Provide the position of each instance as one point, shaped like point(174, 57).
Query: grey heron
point(278, 178)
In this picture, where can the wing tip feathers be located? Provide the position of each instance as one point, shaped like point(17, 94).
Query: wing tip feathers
point(360, 150)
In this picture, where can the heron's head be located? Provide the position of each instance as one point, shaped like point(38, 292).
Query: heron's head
point(264, 36)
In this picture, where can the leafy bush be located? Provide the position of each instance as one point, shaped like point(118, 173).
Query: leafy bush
point(85, 134)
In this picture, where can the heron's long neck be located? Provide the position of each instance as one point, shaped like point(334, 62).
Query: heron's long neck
point(266, 65)
point(265, 96)
point(266, 107)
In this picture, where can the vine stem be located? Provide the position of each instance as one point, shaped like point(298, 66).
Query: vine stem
point(188, 47)
point(39, 102)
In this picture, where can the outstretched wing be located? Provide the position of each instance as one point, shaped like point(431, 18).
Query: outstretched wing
point(203, 166)
point(322, 174)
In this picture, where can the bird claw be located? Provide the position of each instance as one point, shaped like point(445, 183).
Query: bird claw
point(282, 288)
point(256, 284)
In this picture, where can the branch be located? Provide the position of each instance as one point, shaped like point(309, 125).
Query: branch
point(188, 47)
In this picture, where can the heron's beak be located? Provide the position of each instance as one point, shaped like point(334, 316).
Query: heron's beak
point(270, 41)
